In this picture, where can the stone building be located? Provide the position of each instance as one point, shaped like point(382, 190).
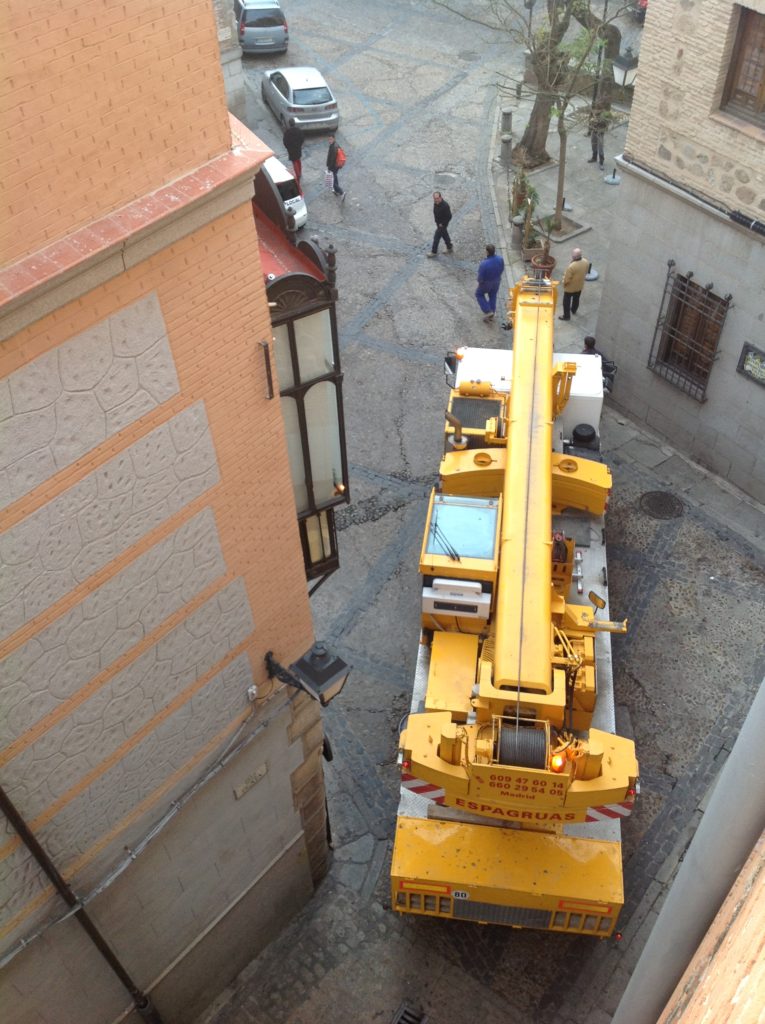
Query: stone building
point(683, 311)
point(151, 550)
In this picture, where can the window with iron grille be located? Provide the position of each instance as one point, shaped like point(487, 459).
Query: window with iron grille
point(744, 93)
point(687, 333)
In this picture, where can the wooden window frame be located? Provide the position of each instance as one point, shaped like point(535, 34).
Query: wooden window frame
point(744, 94)
point(687, 333)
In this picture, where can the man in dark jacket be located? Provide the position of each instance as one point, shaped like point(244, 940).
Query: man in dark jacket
point(293, 140)
point(490, 273)
point(332, 165)
point(442, 214)
point(597, 127)
point(589, 347)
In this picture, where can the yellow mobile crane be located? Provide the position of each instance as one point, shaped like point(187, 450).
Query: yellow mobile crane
point(513, 781)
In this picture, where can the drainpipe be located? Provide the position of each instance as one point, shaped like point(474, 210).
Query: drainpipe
point(141, 1001)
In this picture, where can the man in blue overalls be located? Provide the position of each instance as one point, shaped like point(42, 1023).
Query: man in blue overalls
point(490, 273)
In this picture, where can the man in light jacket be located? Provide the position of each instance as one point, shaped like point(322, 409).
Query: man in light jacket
point(573, 282)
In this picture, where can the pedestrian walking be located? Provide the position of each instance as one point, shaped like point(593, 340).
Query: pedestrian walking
point(292, 141)
point(597, 126)
point(573, 282)
point(442, 214)
point(335, 160)
point(490, 272)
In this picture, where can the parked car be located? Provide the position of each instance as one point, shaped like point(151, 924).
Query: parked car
point(638, 9)
point(262, 26)
point(301, 94)
point(287, 188)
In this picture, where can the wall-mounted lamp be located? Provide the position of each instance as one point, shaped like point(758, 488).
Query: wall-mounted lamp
point(625, 68)
point(339, 486)
point(319, 673)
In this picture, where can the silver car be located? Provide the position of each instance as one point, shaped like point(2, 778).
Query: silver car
point(261, 25)
point(300, 94)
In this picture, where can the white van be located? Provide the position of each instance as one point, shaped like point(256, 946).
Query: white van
point(288, 189)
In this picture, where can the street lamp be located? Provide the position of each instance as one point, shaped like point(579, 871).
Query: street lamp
point(625, 68)
point(601, 45)
point(318, 673)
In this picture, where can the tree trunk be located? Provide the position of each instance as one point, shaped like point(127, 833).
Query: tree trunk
point(563, 137)
point(606, 85)
point(612, 39)
point(532, 149)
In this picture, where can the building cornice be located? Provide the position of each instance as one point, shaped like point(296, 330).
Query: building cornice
point(68, 268)
point(732, 218)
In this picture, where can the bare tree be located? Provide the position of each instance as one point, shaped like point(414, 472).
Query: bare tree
point(563, 64)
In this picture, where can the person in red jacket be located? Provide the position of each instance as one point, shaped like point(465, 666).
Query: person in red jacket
point(334, 166)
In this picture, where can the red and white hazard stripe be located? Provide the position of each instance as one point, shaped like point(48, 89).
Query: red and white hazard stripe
point(610, 812)
point(426, 789)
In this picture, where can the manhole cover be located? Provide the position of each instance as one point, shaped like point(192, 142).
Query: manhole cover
point(661, 505)
point(406, 1014)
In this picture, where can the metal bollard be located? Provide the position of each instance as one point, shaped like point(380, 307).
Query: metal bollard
point(506, 155)
point(507, 120)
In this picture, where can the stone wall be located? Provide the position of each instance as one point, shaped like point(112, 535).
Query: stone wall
point(724, 433)
point(676, 126)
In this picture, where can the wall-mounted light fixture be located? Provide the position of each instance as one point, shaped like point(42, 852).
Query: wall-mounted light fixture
point(319, 673)
point(625, 68)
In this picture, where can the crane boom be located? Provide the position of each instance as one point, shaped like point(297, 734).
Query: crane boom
point(522, 652)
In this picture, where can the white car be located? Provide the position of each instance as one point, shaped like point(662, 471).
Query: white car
point(300, 94)
point(288, 190)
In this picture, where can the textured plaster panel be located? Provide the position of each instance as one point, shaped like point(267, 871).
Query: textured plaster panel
point(6, 406)
point(36, 386)
point(21, 881)
point(102, 516)
point(162, 752)
point(48, 670)
point(84, 360)
point(94, 730)
point(68, 401)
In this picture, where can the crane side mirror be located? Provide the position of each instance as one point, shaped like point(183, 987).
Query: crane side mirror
point(597, 600)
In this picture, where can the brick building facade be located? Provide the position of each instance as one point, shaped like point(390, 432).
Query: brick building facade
point(148, 563)
point(682, 310)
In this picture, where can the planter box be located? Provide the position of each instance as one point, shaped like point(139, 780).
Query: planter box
point(537, 250)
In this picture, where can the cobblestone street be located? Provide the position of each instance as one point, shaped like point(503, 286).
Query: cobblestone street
point(692, 586)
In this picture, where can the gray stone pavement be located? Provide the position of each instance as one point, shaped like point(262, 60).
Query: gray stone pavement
point(692, 586)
